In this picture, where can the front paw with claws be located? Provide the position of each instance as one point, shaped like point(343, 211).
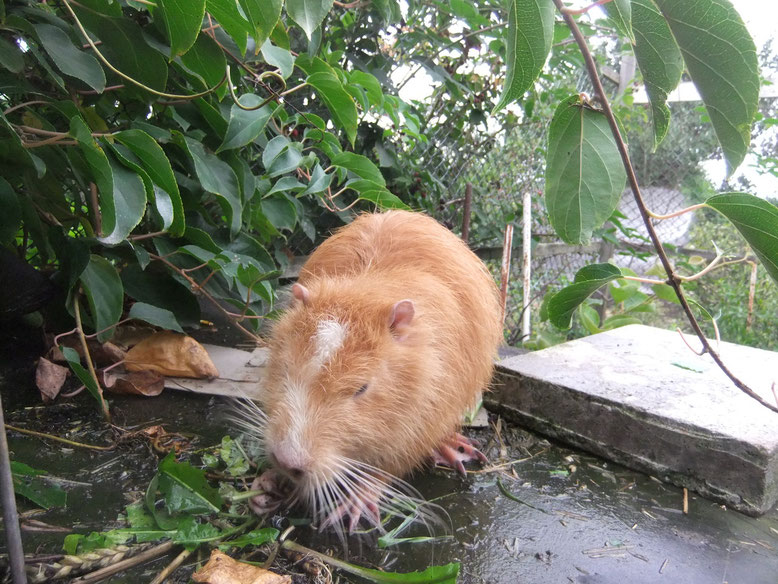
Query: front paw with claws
point(273, 484)
point(457, 450)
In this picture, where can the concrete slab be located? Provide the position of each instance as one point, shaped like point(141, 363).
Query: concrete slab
point(637, 395)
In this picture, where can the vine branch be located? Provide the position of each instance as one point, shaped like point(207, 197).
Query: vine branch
point(672, 279)
point(126, 77)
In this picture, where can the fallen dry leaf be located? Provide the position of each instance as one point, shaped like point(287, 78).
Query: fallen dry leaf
point(148, 383)
point(107, 354)
point(222, 569)
point(49, 377)
point(171, 354)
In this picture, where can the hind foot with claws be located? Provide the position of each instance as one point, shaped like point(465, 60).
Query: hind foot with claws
point(457, 450)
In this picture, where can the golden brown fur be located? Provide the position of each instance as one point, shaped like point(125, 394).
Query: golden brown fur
point(419, 382)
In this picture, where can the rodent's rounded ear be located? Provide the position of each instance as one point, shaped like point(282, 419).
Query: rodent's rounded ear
point(301, 293)
point(400, 318)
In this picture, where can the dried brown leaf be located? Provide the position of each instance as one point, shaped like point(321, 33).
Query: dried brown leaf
point(171, 354)
point(148, 383)
point(49, 377)
point(222, 569)
point(107, 354)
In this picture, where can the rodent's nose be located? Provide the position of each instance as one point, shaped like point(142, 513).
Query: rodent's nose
point(289, 460)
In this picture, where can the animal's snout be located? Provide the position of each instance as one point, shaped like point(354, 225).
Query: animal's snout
point(290, 460)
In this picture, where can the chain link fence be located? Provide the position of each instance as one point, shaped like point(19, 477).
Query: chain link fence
point(509, 165)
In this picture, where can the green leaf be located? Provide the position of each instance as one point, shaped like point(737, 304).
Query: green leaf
point(70, 60)
point(11, 56)
point(129, 202)
point(257, 537)
point(589, 318)
point(157, 165)
point(280, 211)
point(587, 280)
point(245, 125)
point(229, 17)
point(105, 293)
point(319, 181)
point(280, 156)
point(622, 290)
point(161, 290)
point(619, 320)
point(360, 165)
point(721, 59)
point(388, 9)
point(584, 172)
point(183, 19)
point(232, 454)
point(155, 315)
point(100, 169)
point(190, 531)
point(659, 59)
point(530, 32)
point(337, 100)
point(309, 14)
point(370, 84)
point(74, 361)
point(11, 217)
point(384, 199)
point(757, 222)
point(125, 47)
point(666, 292)
point(31, 484)
point(620, 12)
point(278, 57)
point(208, 61)
point(446, 574)
point(187, 488)
point(218, 178)
point(264, 15)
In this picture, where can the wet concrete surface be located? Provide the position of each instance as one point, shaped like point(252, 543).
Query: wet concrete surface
point(580, 519)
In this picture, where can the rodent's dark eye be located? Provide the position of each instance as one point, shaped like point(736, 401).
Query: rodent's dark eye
point(361, 390)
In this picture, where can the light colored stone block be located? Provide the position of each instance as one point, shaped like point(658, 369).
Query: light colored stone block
point(637, 395)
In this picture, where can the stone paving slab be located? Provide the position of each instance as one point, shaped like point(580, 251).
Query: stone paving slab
point(637, 395)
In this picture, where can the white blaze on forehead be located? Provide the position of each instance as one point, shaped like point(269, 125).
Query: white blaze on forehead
point(329, 337)
point(296, 399)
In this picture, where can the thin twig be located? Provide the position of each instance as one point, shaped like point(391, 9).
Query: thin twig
point(676, 213)
point(25, 104)
point(672, 278)
point(172, 566)
point(145, 235)
point(88, 359)
point(95, 92)
point(643, 280)
point(692, 349)
point(58, 438)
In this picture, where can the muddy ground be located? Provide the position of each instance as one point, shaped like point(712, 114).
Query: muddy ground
point(560, 515)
